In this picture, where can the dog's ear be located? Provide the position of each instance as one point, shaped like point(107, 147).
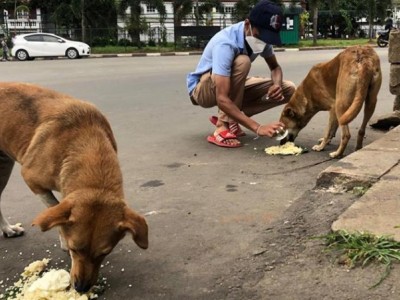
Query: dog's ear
point(54, 216)
point(289, 112)
point(137, 226)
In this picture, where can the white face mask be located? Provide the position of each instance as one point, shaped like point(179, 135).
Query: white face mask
point(255, 44)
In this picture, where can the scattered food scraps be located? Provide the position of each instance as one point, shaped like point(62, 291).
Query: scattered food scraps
point(287, 149)
point(39, 283)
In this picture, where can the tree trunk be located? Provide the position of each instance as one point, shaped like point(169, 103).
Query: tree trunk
point(135, 36)
point(83, 24)
point(315, 25)
point(370, 29)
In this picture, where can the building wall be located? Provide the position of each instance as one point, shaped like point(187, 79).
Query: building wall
point(152, 17)
point(21, 22)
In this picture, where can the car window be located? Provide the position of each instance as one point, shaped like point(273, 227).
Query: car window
point(51, 39)
point(34, 38)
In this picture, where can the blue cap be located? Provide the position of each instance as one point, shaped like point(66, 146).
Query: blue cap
point(267, 17)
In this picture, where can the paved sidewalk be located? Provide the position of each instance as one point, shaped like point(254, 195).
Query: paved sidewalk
point(374, 169)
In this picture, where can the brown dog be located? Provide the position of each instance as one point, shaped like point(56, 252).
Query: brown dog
point(67, 145)
point(340, 86)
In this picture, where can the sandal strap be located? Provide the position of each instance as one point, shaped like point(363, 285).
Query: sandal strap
point(225, 135)
point(234, 127)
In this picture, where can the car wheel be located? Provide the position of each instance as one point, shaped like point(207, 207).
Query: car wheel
point(22, 55)
point(72, 53)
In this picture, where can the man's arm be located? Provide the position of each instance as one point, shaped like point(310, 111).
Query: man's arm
point(275, 91)
point(222, 87)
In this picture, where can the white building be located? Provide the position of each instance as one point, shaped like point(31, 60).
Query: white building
point(21, 21)
point(152, 17)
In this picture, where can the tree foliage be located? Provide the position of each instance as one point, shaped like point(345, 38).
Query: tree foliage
point(136, 23)
point(67, 14)
point(243, 7)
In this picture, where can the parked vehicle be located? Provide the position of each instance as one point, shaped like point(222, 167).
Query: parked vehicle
point(383, 38)
point(32, 45)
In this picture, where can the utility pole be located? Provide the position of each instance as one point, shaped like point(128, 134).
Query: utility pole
point(197, 12)
point(15, 17)
point(83, 24)
point(197, 23)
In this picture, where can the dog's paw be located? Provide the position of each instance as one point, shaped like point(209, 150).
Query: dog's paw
point(318, 147)
point(13, 231)
point(335, 154)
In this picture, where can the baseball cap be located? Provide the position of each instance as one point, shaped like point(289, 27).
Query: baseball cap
point(267, 17)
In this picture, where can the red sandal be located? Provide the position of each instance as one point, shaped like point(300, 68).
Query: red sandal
point(220, 139)
point(234, 128)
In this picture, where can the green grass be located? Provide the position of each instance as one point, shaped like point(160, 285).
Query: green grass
point(171, 48)
point(131, 49)
point(359, 190)
point(360, 249)
point(336, 42)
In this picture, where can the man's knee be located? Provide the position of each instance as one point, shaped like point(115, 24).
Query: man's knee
point(289, 88)
point(242, 64)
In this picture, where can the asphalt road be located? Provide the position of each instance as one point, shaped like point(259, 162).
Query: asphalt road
point(204, 205)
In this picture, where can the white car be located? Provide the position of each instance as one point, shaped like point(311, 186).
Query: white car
point(31, 45)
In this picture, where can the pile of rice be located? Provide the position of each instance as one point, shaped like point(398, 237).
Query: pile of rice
point(287, 149)
point(37, 283)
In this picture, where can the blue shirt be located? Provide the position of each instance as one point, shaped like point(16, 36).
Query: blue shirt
point(220, 53)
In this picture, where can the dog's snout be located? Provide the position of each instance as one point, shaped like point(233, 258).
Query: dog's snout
point(82, 286)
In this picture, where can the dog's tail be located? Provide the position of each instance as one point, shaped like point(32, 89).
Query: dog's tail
point(366, 76)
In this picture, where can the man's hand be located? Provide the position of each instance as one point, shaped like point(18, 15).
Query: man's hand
point(275, 93)
point(270, 130)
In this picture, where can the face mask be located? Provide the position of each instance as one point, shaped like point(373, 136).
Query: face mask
point(255, 44)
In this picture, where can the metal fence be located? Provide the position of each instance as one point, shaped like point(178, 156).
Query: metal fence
point(153, 34)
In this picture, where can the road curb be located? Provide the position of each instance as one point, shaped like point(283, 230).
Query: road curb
point(364, 167)
point(189, 53)
point(183, 53)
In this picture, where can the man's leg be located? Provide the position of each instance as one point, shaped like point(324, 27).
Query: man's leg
point(204, 94)
point(256, 88)
point(240, 71)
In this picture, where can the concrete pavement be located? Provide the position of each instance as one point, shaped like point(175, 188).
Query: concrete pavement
point(374, 172)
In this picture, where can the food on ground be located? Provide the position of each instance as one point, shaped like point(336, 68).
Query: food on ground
point(287, 149)
point(39, 283)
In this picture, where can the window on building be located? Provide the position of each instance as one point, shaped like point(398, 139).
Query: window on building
point(228, 9)
point(22, 14)
point(150, 8)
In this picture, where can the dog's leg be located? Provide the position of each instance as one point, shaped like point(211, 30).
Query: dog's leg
point(369, 108)
point(50, 200)
point(6, 166)
point(330, 132)
point(343, 142)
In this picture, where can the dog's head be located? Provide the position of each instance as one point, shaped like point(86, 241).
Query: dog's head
point(289, 117)
point(91, 230)
point(295, 116)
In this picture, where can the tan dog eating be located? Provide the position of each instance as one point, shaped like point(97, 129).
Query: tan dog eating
point(67, 145)
point(341, 86)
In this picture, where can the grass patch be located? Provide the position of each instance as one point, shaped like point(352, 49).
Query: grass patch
point(172, 48)
point(360, 249)
point(336, 42)
point(359, 190)
point(131, 49)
